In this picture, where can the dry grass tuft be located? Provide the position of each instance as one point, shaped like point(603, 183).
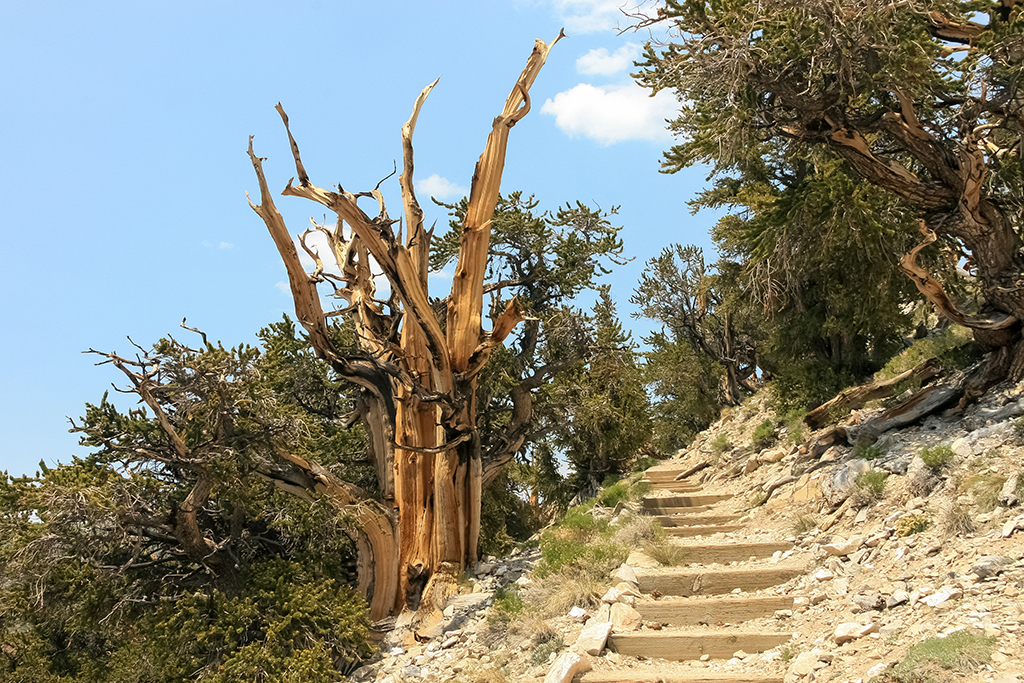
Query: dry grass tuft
point(984, 489)
point(667, 554)
point(803, 523)
point(957, 521)
point(561, 591)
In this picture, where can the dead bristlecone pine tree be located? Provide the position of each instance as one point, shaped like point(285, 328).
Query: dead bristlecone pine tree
point(416, 370)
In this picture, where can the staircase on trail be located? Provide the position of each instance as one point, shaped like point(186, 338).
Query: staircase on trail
point(695, 608)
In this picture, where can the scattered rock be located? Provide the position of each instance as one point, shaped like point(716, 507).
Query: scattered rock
point(850, 631)
point(942, 596)
point(989, 565)
point(566, 667)
point(625, 573)
point(1012, 525)
point(624, 617)
point(898, 597)
point(593, 637)
point(842, 482)
point(1008, 495)
point(843, 548)
point(866, 602)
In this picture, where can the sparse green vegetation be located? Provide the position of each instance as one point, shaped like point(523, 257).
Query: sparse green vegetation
point(936, 457)
point(757, 499)
point(787, 653)
point(641, 464)
point(948, 345)
point(1018, 431)
point(803, 523)
point(908, 525)
point(930, 660)
point(765, 436)
point(870, 488)
point(543, 651)
point(866, 451)
point(720, 444)
point(506, 606)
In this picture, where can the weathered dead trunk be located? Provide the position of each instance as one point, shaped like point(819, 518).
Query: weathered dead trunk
point(417, 380)
point(852, 399)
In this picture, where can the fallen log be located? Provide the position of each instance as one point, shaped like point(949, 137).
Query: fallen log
point(693, 470)
point(851, 399)
point(925, 402)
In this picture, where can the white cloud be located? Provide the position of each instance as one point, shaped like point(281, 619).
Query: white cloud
point(284, 287)
point(589, 16)
point(441, 188)
point(225, 245)
point(612, 113)
point(601, 62)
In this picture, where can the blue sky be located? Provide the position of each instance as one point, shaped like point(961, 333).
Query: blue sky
point(123, 129)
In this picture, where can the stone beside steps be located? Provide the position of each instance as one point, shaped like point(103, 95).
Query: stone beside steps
point(695, 611)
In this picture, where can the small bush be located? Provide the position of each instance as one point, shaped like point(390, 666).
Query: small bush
point(612, 495)
point(644, 463)
point(561, 591)
point(803, 523)
point(960, 652)
point(867, 451)
point(721, 444)
point(765, 436)
point(1018, 431)
point(544, 650)
point(908, 525)
point(484, 673)
point(872, 483)
point(757, 499)
point(936, 457)
point(506, 606)
point(559, 552)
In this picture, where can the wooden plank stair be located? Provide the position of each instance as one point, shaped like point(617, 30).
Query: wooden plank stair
point(693, 604)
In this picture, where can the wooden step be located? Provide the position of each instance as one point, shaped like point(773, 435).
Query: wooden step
point(724, 553)
point(668, 521)
point(701, 529)
point(685, 582)
point(675, 486)
point(680, 645)
point(684, 611)
point(654, 674)
point(689, 510)
point(663, 474)
point(684, 501)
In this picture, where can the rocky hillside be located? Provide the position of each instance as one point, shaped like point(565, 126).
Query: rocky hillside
point(764, 553)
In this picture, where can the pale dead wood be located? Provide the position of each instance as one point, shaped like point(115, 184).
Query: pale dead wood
point(467, 287)
point(693, 470)
point(933, 291)
point(851, 399)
